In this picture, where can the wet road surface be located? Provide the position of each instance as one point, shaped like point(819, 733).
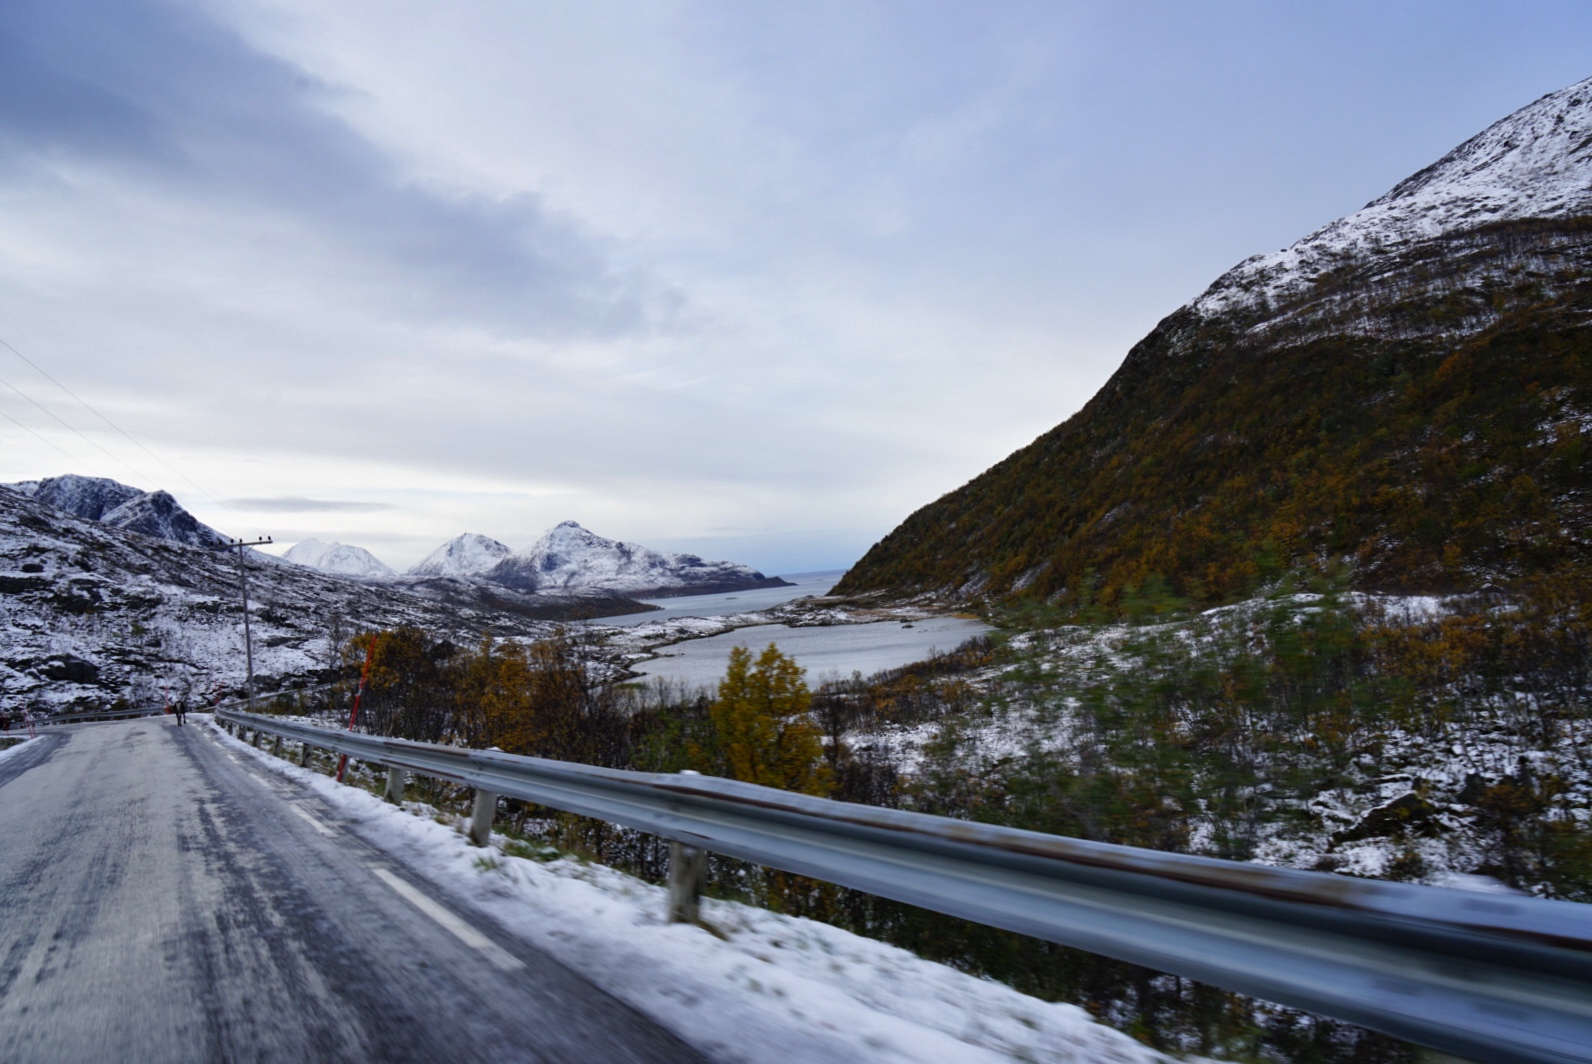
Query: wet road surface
point(161, 900)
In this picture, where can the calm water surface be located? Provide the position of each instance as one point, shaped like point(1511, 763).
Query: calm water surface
point(826, 653)
point(735, 601)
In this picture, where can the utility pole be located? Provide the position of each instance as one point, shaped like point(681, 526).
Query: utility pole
point(243, 589)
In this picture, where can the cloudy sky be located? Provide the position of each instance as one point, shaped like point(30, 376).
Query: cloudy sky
point(750, 279)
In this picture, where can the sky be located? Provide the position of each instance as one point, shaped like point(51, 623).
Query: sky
point(751, 280)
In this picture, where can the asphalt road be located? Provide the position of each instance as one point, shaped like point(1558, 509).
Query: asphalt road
point(161, 900)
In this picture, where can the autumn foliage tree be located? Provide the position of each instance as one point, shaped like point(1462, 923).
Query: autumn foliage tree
point(764, 727)
point(525, 698)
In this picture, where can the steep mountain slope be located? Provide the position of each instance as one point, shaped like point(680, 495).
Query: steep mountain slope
point(339, 558)
point(152, 513)
point(467, 555)
point(1408, 388)
point(87, 497)
point(90, 613)
point(569, 558)
point(157, 514)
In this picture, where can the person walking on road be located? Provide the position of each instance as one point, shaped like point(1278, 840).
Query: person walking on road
point(179, 710)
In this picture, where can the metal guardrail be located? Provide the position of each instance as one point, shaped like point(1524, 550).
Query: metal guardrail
point(1488, 977)
point(97, 714)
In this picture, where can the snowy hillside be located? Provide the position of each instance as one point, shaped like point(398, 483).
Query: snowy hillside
point(468, 555)
point(1304, 399)
point(91, 612)
point(152, 513)
point(1537, 163)
point(339, 558)
point(569, 558)
point(87, 497)
point(157, 514)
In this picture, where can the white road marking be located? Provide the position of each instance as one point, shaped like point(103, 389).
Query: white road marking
point(312, 822)
point(499, 956)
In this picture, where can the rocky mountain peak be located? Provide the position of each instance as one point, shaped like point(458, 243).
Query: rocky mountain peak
point(157, 514)
point(87, 497)
point(1406, 392)
point(339, 558)
point(569, 557)
point(1534, 164)
point(150, 513)
point(465, 555)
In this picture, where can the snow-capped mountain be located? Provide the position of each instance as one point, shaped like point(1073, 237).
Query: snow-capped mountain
point(1536, 163)
point(463, 556)
point(87, 497)
point(341, 559)
point(151, 513)
point(91, 613)
point(1403, 391)
point(569, 558)
point(157, 514)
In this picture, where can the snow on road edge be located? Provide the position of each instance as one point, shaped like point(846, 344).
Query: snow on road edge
point(14, 747)
point(775, 990)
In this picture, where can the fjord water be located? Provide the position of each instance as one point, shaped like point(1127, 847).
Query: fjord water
point(825, 652)
point(761, 598)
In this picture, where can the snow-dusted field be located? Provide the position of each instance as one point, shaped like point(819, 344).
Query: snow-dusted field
point(826, 651)
point(760, 988)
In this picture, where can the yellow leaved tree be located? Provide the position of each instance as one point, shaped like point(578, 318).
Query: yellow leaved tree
point(764, 730)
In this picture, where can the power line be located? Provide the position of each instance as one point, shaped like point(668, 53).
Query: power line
point(84, 403)
point(74, 460)
point(72, 429)
point(121, 431)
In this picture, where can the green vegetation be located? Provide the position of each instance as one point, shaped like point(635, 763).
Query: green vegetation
point(1312, 726)
point(762, 727)
point(1221, 455)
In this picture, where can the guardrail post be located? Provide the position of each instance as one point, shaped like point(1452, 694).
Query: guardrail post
point(304, 755)
point(394, 791)
point(276, 747)
point(687, 868)
point(481, 817)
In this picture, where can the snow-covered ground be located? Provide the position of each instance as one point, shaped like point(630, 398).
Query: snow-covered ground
point(9, 748)
point(760, 988)
point(1340, 828)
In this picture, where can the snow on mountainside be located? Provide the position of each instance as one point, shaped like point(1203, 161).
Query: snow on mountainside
point(87, 497)
point(1536, 163)
point(151, 513)
point(468, 555)
point(1368, 394)
point(340, 559)
point(569, 558)
point(90, 613)
point(157, 514)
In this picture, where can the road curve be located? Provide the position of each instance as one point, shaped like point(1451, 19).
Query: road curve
point(161, 899)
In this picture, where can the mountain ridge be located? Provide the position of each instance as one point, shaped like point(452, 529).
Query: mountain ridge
point(341, 559)
point(1411, 398)
point(151, 513)
point(569, 557)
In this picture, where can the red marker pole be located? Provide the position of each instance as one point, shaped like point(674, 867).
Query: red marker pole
point(364, 675)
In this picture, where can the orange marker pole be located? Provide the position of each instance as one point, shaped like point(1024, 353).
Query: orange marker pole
point(359, 692)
